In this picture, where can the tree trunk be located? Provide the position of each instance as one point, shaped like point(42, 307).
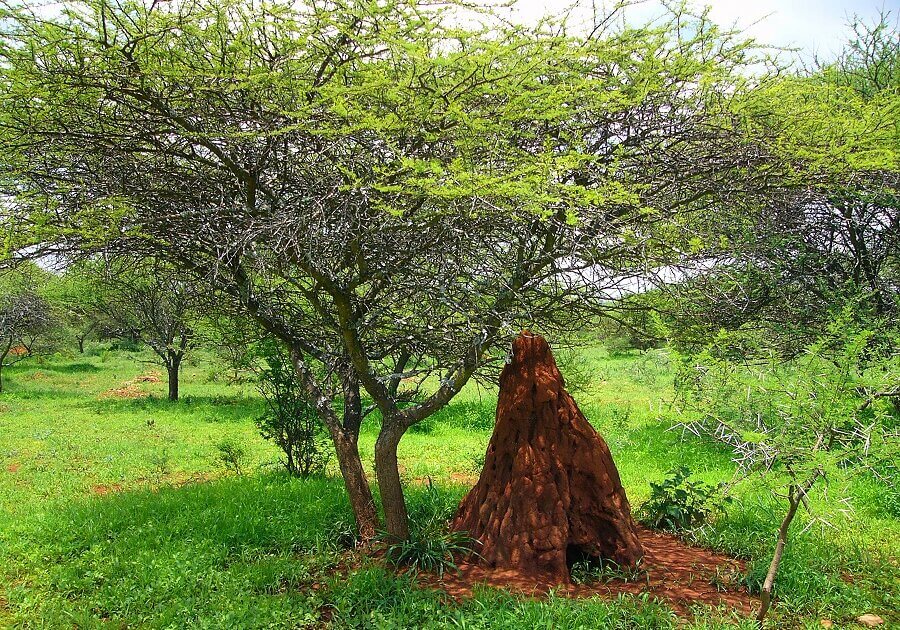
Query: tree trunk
point(388, 474)
point(795, 496)
point(3, 356)
point(345, 439)
point(173, 365)
point(358, 490)
point(80, 344)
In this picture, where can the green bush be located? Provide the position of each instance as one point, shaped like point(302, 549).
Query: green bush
point(678, 504)
point(232, 455)
point(290, 419)
point(431, 545)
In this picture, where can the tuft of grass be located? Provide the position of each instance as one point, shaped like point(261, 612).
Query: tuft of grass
point(598, 570)
point(431, 546)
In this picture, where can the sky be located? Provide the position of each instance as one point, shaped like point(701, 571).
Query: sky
point(813, 26)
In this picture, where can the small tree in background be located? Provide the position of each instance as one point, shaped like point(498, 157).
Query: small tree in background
point(149, 300)
point(795, 422)
point(290, 419)
point(24, 317)
point(74, 293)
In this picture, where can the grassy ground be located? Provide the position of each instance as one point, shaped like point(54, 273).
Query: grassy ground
point(101, 525)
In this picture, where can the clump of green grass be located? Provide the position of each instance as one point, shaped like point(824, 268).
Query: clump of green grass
point(431, 546)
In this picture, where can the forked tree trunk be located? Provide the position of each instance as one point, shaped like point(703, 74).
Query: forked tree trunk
point(796, 495)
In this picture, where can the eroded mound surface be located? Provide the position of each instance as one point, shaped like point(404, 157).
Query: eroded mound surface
point(549, 493)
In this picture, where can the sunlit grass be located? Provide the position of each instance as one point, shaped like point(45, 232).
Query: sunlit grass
point(116, 511)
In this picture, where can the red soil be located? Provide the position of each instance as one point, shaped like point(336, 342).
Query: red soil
point(677, 573)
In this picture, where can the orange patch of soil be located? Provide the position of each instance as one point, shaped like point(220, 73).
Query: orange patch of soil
point(102, 489)
point(126, 391)
point(149, 377)
point(677, 573)
point(130, 389)
point(461, 478)
point(13, 468)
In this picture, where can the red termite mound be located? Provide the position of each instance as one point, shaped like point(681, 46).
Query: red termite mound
point(549, 492)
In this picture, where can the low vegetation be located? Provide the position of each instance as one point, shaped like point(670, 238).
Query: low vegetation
point(121, 511)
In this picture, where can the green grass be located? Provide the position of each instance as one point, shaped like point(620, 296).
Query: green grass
point(115, 512)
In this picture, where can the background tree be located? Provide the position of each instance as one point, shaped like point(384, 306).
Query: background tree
point(74, 293)
point(150, 301)
point(390, 195)
point(24, 317)
point(831, 235)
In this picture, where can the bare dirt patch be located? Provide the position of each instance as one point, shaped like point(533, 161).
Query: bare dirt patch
point(126, 391)
point(675, 572)
point(148, 377)
point(461, 478)
point(103, 489)
point(130, 389)
point(13, 468)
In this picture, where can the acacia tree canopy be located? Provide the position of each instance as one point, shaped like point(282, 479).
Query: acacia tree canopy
point(390, 194)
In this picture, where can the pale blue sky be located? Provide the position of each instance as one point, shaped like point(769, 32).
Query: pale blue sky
point(818, 26)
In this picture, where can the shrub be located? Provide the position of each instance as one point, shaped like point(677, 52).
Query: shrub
point(290, 419)
point(232, 455)
point(677, 503)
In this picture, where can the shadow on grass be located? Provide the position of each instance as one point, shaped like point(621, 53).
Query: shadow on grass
point(71, 368)
point(203, 408)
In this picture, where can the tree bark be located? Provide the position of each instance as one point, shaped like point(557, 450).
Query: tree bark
point(344, 436)
point(387, 472)
point(83, 337)
point(173, 365)
point(358, 490)
point(796, 495)
point(3, 356)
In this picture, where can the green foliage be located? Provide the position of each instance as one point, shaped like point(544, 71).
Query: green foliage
point(435, 552)
point(830, 407)
point(431, 546)
point(232, 455)
point(679, 503)
point(598, 570)
point(290, 419)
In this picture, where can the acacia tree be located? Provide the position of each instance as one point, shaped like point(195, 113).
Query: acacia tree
point(389, 194)
point(795, 423)
point(831, 237)
point(152, 302)
point(24, 316)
